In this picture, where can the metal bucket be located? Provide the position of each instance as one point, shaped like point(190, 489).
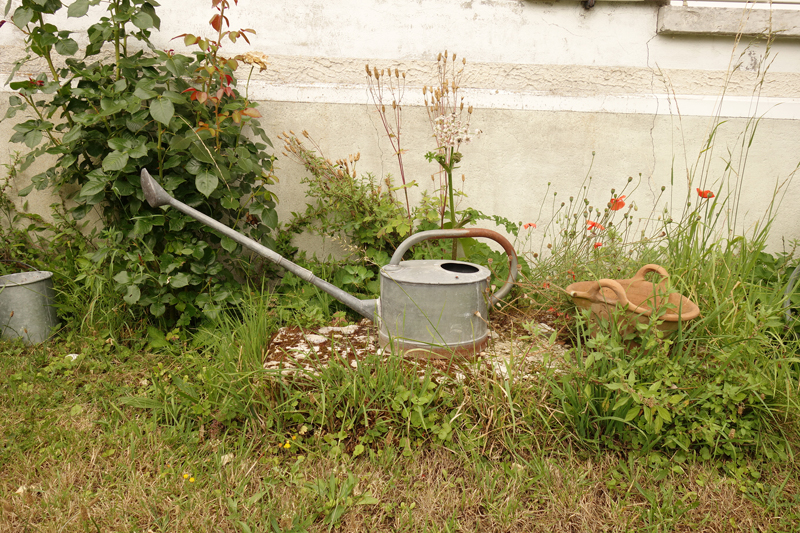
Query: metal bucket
point(26, 309)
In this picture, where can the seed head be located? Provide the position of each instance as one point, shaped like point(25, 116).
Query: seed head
point(368, 71)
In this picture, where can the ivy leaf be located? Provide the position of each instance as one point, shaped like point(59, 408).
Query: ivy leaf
point(206, 183)
point(115, 161)
point(162, 110)
point(78, 8)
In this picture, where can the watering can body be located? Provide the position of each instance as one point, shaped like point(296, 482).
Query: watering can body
point(427, 308)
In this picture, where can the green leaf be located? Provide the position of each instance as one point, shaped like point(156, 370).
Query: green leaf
point(144, 94)
point(631, 414)
point(179, 280)
point(91, 188)
point(162, 110)
point(206, 183)
point(229, 245)
point(33, 138)
point(115, 161)
point(123, 188)
point(140, 402)
point(122, 278)
point(117, 143)
point(72, 135)
point(142, 20)
point(66, 47)
point(201, 152)
point(22, 16)
point(132, 295)
point(78, 8)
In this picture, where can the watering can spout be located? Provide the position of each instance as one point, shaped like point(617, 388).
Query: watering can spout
point(156, 196)
point(154, 193)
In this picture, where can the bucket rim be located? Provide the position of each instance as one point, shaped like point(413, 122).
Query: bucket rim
point(13, 280)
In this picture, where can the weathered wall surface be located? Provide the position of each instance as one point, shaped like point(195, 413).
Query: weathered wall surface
point(550, 82)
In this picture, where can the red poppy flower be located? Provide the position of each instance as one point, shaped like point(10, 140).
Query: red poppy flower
point(598, 244)
point(616, 203)
point(529, 225)
point(590, 224)
point(705, 194)
point(545, 285)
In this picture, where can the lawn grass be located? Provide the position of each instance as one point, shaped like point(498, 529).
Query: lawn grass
point(75, 457)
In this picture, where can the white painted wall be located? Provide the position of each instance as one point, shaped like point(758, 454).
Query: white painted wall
point(551, 83)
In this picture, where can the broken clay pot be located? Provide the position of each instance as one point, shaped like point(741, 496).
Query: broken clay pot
point(638, 297)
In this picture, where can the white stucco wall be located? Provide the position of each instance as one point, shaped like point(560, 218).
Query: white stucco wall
point(551, 83)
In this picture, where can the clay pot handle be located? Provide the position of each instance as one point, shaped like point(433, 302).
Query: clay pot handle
point(622, 298)
point(595, 295)
point(651, 268)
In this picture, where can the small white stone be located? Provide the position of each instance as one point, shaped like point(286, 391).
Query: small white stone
point(316, 339)
point(354, 363)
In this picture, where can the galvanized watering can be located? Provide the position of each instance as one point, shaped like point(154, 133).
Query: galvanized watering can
point(429, 308)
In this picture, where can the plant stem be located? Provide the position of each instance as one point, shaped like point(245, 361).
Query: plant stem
point(452, 203)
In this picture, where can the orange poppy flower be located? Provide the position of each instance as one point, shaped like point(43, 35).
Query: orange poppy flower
point(617, 203)
point(598, 244)
point(705, 194)
point(529, 225)
point(590, 224)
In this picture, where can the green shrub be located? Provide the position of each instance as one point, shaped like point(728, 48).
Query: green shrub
point(181, 117)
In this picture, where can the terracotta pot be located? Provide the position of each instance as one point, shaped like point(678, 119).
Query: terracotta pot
point(637, 296)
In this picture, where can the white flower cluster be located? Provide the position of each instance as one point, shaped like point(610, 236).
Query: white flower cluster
point(450, 131)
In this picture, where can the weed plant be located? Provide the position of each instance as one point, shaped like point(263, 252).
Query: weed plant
point(723, 385)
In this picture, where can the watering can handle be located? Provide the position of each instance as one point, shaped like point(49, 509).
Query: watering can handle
point(463, 234)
